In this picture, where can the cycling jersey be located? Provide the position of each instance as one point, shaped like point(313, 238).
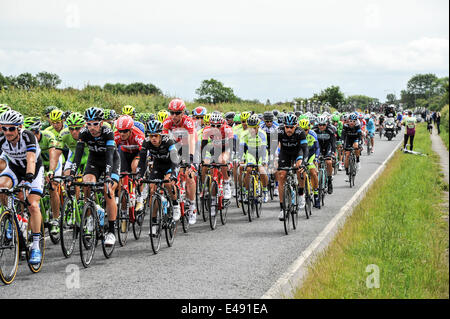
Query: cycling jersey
point(370, 126)
point(180, 131)
point(351, 134)
point(103, 155)
point(217, 138)
point(140, 126)
point(133, 144)
point(66, 140)
point(253, 148)
point(292, 148)
point(313, 145)
point(272, 135)
point(327, 140)
point(46, 142)
point(165, 158)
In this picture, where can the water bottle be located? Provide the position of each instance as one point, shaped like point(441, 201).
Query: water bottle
point(293, 196)
point(164, 203)
point(23, 224)
point(101, 215)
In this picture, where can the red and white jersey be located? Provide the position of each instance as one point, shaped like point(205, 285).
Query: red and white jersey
point(181, 130)
point(133, 143)
point(217, 134)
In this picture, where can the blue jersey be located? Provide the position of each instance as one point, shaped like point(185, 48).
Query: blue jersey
point(272, 129)
point(370, 126)
point(140, 126)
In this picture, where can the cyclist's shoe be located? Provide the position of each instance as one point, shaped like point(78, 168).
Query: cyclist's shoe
point(341, 166)
point(35, 257)
point(139, 206)
point(176, 213)
point(275, 192)
point(154, 231)
point(54, 230)
point(316, 201)
point(346, 171)
point(110, 239)
point(213, 211)
point(265, 196)
point(330, 186)
point(192, 218)
point(301, 202)
point(226, 191)
point(281, 215)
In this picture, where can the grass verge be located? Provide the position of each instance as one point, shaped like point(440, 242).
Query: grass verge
point(399, 227)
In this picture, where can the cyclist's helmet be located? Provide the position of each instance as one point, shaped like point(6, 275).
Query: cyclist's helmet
point(32, 123)
point(253, 121)
point(107, 114)
point(229, 115)
point(237, 118)
point(336, 118)
point(245, 116)
point(112, 114)
point(268, 116)
point(290, 120)
point(323, 119)
point(66, 114)
point(124, 122)
point(154, 127)
point(151, 117)
point(128, 110)
point(215, 119)
point(11, 117)
point(199, 111)
point(56, 115)
point(304, 124)
point(352, 117)
point(162, 115)
point(367, 117)
point(275, 112)
point(206, 118)
point(4, 108)
point(93, 114)
point(177, 105)
point(75, 120)
point(48, 109)
point(298, 113)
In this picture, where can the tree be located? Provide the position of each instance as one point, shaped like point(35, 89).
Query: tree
point(213, 91)
point(26, 81)
point(48, 80)
point(422, 85)
point(391, 98)
point(332, 95)
point(4, 82)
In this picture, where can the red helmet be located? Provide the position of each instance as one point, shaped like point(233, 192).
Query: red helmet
point(177, 105)
point(124, 122)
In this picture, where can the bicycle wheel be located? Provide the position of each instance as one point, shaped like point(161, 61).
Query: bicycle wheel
point(155, 206)
point(9, 248)
point(68, 227)
point(324, 187)
point(204, 199)
point(287, 206)
point(214, 190)
point(271, 186)
point(351, 167)
point(123, 219)
point(184, 217)
point(38, 267)
point(251, 199)
point(258, 195)
point(88, 235)
point(139, 222)
point(294, 211)
point(170, 226)
point(244, 204)
point(308, 197)
point(224, 211)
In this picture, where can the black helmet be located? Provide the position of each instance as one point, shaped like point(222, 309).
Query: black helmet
point(229, 115)
point(93, 114)
point(268, 116)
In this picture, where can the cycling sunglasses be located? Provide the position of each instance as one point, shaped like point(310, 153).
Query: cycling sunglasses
point(153, 135)
point(76, 128)
point(216, 125)
point(176, 113)
point(123, 131)
point(199, 117)
point(93, 124)
point(322, 124)
point(11, 129)
point(289, 126)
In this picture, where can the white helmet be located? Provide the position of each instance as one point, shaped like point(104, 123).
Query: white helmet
point(11, 118)
point(215, 118)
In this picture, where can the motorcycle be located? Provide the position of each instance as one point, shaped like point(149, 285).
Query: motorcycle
point(389, 130)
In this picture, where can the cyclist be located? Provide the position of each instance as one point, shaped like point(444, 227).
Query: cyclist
point(336, 121)
point(293, 148)
point(51, 150)
point(109, 117)
point(131, 111)
point(198, 114)
point(47, 112)
point(164, 153)
point(229, 117)
point(370, 127)
point(220, 136)
point(129, 141)
point(312, 160)
point(327, 143)
point(253, 149)
point(181, 126)
point(22, 154)
point(352, 136)
point(270, 127)
point(103, 158)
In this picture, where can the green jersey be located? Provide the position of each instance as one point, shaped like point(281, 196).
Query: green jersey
point(46, 142)
point(67, 141)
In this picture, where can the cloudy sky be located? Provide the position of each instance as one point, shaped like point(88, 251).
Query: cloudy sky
point(263, 49)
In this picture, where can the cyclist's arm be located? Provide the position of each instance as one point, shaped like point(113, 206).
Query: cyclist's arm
point(142, 160)
point(54, 158)
point(31, 162)
point(77, 158)
point(110, 149)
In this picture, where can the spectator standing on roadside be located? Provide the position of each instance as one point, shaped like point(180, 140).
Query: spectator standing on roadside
point(438, 122)
point(410, 130)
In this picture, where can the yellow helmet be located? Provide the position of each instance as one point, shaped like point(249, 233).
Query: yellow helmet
point(56, 115)
point(128, 110)
point(304, 124)
point(162, 115)
point(245, 116)
point(206, 118)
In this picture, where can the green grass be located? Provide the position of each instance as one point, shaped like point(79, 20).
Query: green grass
point(399, 227)
point(34, 102)
point(444, 125)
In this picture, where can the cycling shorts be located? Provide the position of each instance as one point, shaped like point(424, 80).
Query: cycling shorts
point(286, 159)
point(160, 169)
point(310, 162)
point(126, 159)
point(97, 166)
point(37, 185)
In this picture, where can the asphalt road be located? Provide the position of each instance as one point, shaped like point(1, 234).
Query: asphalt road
point(238, 260)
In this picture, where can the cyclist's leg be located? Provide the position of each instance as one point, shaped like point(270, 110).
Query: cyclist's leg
point(7, 180)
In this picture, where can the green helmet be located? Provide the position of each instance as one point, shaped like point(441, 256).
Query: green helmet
point(107, 114)
point(237, 118)
point(32, 123)
point(4, 108)
point(336, 118)
point(50, 108)
point(75, 120)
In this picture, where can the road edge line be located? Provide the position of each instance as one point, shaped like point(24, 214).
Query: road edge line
point(293, 277)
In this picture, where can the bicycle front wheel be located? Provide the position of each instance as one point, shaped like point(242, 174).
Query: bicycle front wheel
point(123, 217)
point(68, 227)
point(155, 222)
point(9, 248)
point(88, 235)
point(170, 226)
point(212, 219)
point(287, 207)
point(36, 268)
point(308, 197)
